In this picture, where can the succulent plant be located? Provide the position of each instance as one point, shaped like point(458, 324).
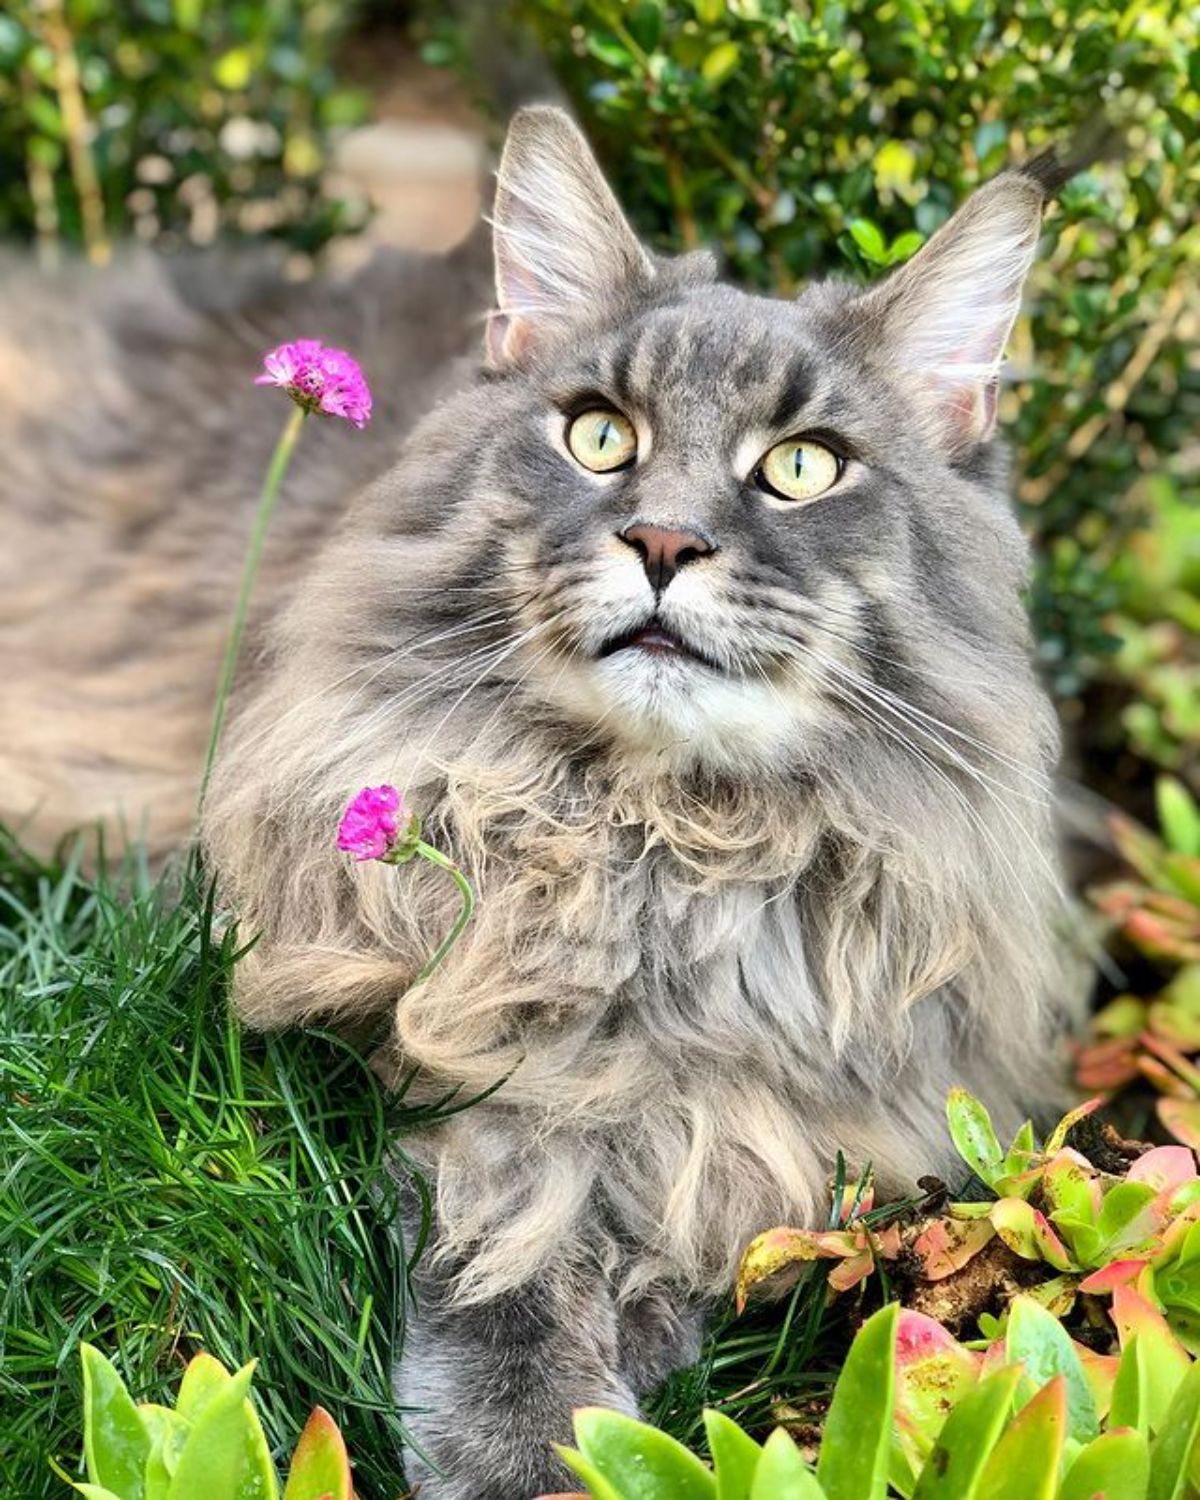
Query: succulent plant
point(854, 1243)
point(1089, 1231)
point(1035, 1416)
point(1158, 913)
point(209, 1446)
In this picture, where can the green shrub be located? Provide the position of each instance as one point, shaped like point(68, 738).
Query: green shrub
point(832, 136)
point(170, 119)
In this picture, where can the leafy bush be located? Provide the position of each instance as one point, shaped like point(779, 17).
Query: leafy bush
point(835, 136)
point(918, 1414)
point(1156, 621)
point(171, 119)
point(210, 1443)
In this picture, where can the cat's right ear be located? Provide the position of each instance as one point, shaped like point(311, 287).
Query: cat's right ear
point(562, 244)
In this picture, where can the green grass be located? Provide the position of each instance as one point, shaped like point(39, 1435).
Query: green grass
point(169, 1182)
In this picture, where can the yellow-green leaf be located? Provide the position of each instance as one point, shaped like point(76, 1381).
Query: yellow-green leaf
point(116, 1444)
point(320, 1467)
point(1024, 1463)
point(782, 1474)
point(204, 1378)
point(857, 1437)
point(735, 1456)
point(226, 1453)
point(1116, 1465)
point(640, 1462)
point(956, 1465)
point(720, 62)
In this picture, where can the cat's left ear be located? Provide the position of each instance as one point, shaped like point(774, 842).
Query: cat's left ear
point(942, 320)
point(562, 244)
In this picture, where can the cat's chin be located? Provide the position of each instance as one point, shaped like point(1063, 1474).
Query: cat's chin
point(673, 705)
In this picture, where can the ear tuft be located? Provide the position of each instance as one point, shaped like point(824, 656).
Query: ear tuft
point(562, 244)
point(942, 320)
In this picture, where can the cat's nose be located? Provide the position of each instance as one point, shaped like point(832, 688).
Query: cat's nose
point(664, 551)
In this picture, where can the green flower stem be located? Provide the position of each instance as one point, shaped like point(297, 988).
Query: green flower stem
point(280, 459)
point(436, 857)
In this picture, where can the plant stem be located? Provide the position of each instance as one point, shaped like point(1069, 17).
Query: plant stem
point(436, 857)
point(56, 32)
point(280, 459)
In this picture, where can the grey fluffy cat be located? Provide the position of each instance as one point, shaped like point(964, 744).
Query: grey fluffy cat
point(690, 622)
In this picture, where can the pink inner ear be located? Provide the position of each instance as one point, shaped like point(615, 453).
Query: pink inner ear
point(966, 413)
point(506, 337)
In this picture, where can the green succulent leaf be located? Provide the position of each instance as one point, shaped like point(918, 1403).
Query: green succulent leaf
point(933, 1371)
point(735, 1456)
point(168, 1435)
point(1178, 815)
point(1115, 1465)
point(638, 1460)
point(320, 1467)
point(1024, 1464)
point(204, 1378)
point(1126, 1219)
point(116, 1443)
point(782, 1474)
point(1028, 1233)
point(226, 1452)
point(1023, 1147)
point(598, 1487)
point(955, 1467)
point(1174, 1462)
point(1153, 1363)
point(1038, 1340)
point(96, 1492)
point(855, 1447)
point(973, 1135)
point(1069, 1191)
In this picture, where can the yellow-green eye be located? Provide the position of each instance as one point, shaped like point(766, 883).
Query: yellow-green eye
point(800, 469)
point(602, 440)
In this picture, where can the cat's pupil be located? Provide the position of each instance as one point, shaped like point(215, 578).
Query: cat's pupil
point(798, 462)
point(604, 433)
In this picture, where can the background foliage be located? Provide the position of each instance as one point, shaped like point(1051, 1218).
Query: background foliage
point(174, 120)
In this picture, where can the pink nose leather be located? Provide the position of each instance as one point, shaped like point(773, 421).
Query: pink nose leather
point(664, 551)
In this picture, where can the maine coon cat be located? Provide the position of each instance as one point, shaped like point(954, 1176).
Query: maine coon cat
point(690, 622)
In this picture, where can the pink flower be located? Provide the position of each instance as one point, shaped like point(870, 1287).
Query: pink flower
point(319, 379)
point(370, 826)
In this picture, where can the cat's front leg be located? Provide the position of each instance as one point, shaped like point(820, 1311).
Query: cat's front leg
point(488, 1388)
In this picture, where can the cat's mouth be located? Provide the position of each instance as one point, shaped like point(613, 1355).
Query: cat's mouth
point(655, 639)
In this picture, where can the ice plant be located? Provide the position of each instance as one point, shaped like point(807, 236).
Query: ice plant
point(327, 381)
point(1157, 911)
point(210, 1444)
point(378, 825)
point(1036, 1416)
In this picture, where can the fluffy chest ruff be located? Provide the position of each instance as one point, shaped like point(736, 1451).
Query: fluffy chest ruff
point(695, 1008)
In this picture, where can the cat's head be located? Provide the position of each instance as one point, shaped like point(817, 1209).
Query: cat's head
point(726, 529)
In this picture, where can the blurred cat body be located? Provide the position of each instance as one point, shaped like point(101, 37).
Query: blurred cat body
point(758, 817)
